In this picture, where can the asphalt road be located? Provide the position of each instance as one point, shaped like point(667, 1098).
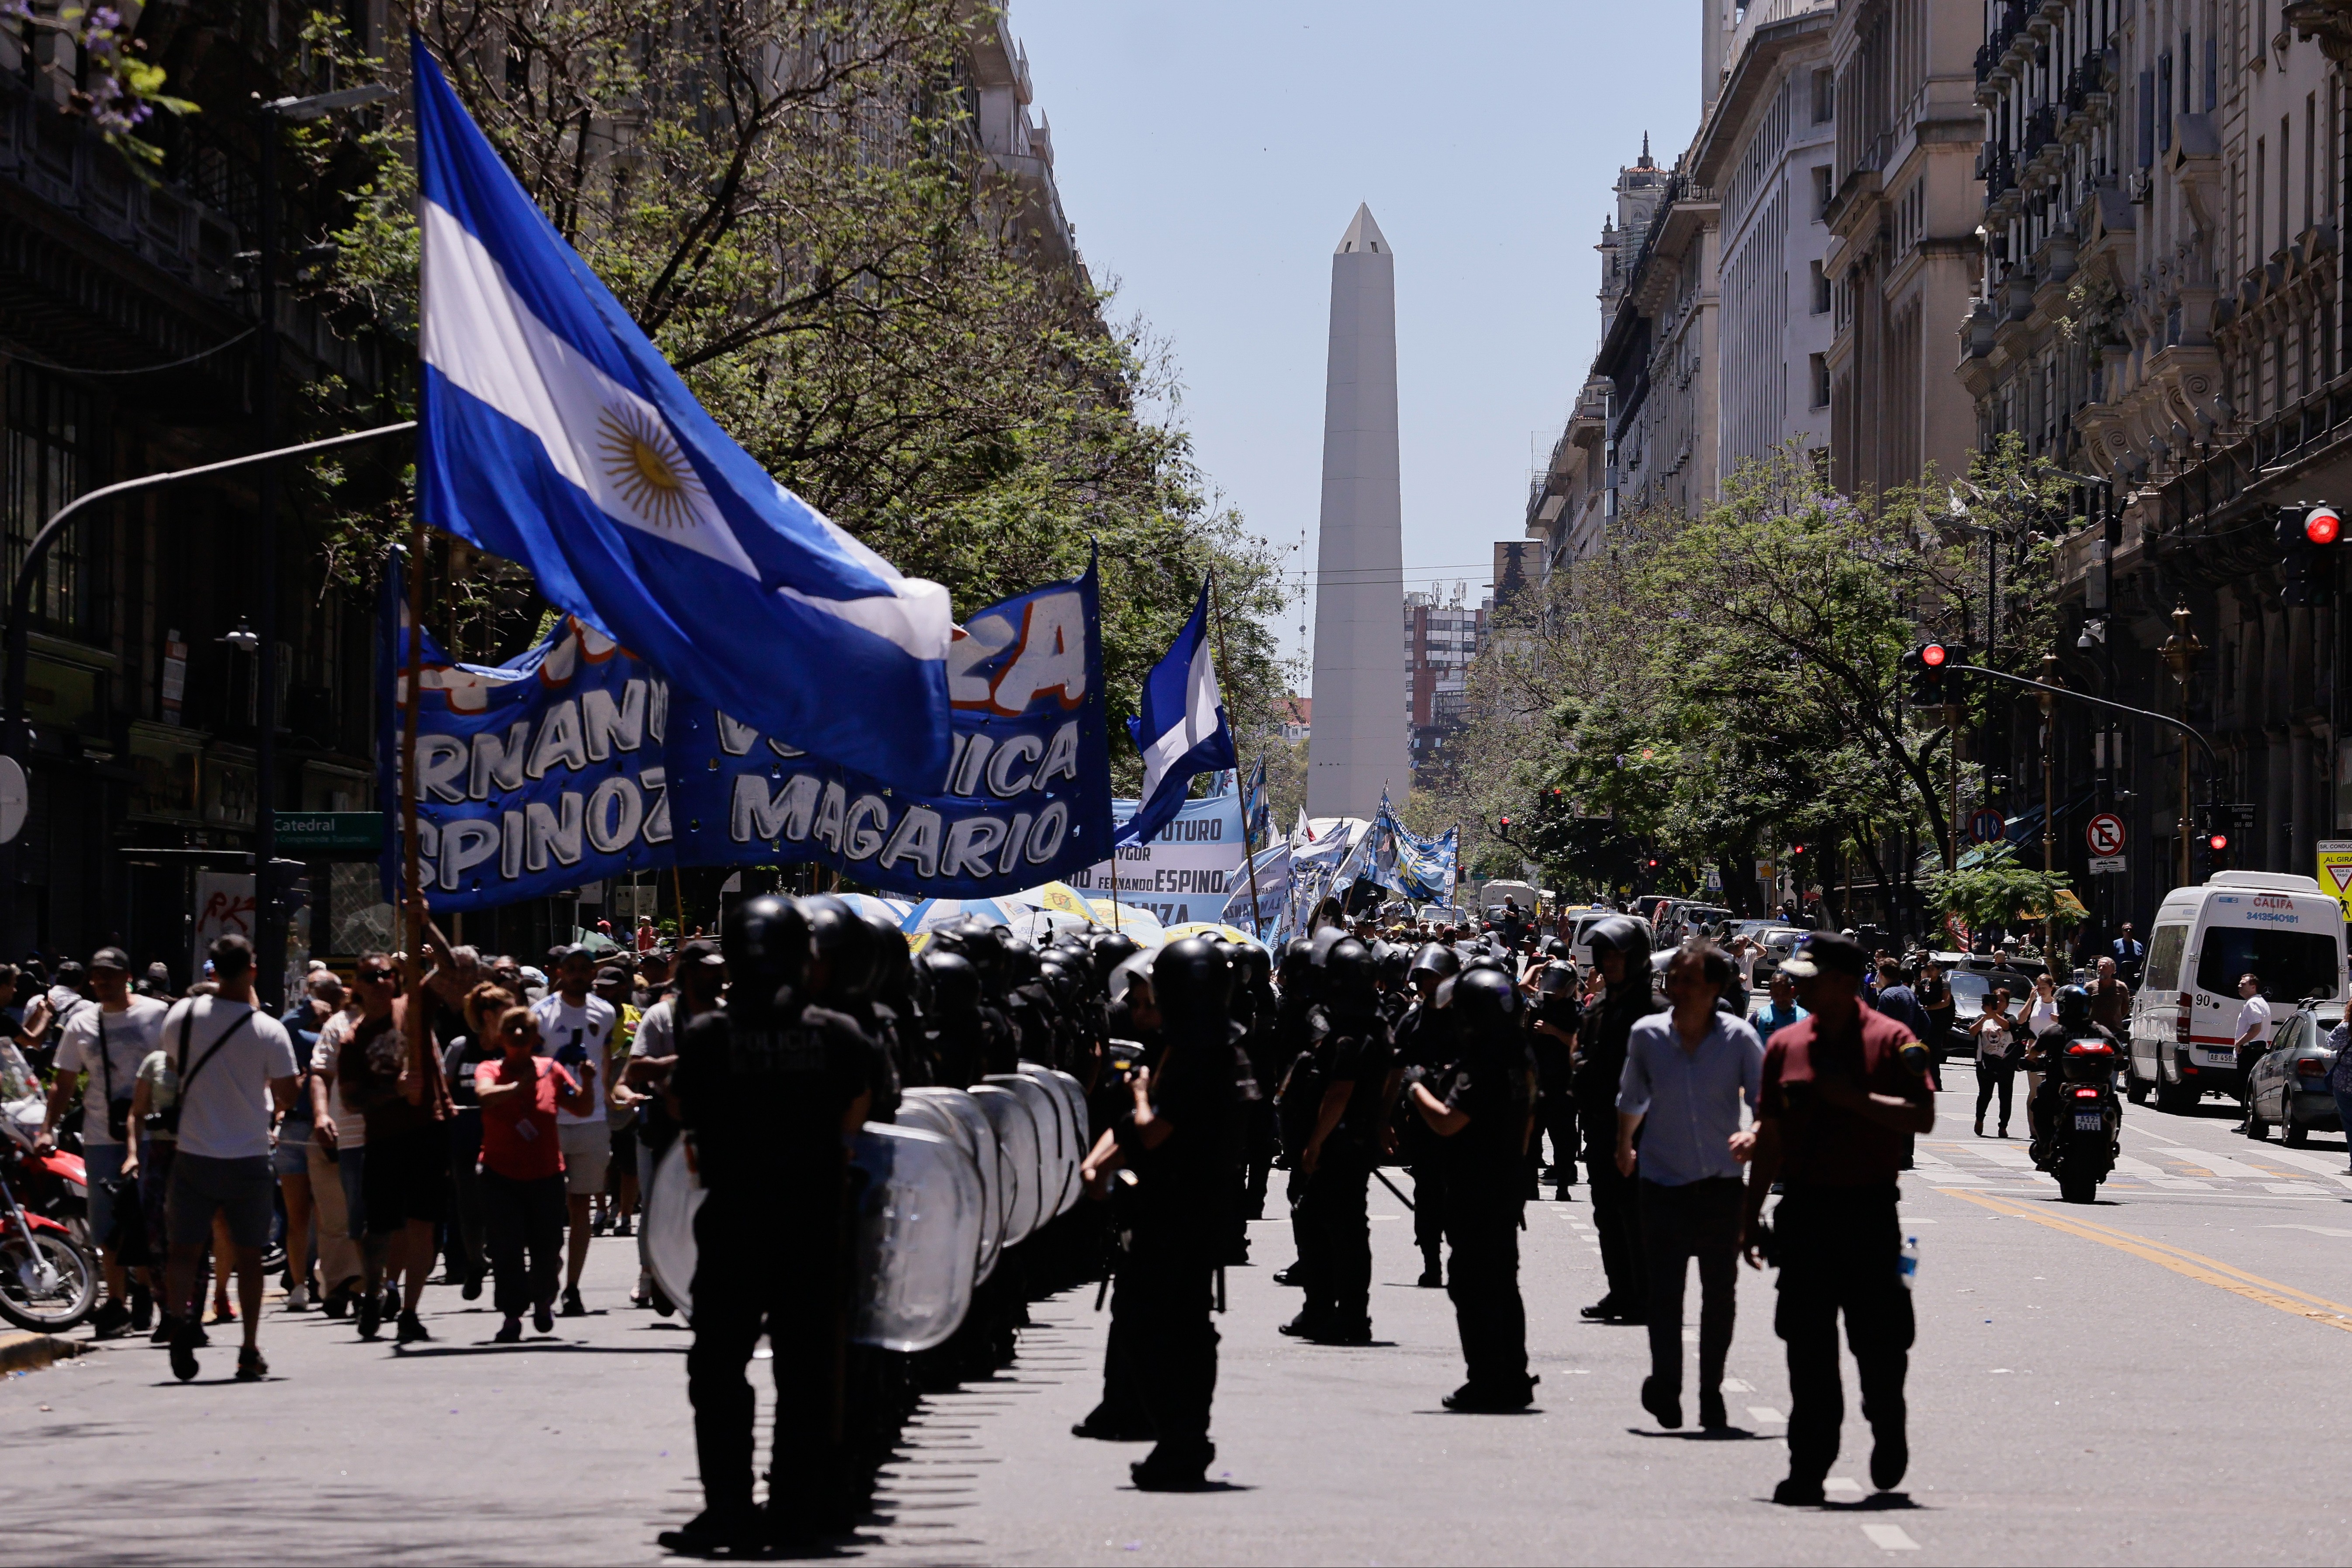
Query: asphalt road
point(2147, 1380)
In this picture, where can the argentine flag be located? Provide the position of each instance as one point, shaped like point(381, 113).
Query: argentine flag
point(1182, 729)
point(554, 434)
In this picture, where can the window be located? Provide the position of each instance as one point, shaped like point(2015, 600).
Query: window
point(1824, 97)
point(2164, 949)
point(2164, 99)
point(1820, 290)
point(1819, 365)
point(2310, 151)
point(2262, 185)
point(50, 457)
point(1823, 189)
point(2286, 129)
point(2291, 964)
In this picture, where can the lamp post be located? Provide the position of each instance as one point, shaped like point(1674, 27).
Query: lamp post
point(269, 915)
point(2049, 700)
point(2180, 651)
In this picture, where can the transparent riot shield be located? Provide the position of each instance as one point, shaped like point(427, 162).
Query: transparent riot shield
point(1045, 1111)
point(1016, 1156)
point(670, 1208)
point(1070, 1149)
point(955, 1114)
point(1080, 1123)
point(918, 1228)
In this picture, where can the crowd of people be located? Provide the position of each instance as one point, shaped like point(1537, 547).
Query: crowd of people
point(457, 1109)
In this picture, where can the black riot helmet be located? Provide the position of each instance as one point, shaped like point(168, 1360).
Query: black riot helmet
point(1297, 970)
point(1394, 965)
point(1111, 950)
point(1617, 934)
point(845, 945)
point(1485, 996)
point(1556, 980)
point(1347, 976)
point(1192, 981)
point(1019, 960)
point(1059, 977)
point(1257, 964)
point(1555, 949)
point(893, 966)
point(766, 940)
point(955, 984)
point(2073, 1009)
point(1319, 945)
point(1435, 958)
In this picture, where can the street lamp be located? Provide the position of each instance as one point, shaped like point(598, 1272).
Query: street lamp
point(269, 956)
point(2180, 651)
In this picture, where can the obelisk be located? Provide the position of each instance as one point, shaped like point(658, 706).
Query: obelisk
point(1358, 744)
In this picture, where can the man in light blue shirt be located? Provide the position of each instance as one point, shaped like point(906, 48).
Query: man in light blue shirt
point(1783, 1011)
point(1687, 1072)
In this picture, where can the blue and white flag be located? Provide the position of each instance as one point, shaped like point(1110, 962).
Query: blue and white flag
point(1182, 730)
point(555, 435)
point(1257, 810)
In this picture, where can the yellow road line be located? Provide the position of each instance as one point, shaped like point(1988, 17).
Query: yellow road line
point(2193, 1266)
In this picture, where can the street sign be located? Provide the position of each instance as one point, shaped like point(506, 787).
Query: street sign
point(2336, 871)
point(13, 797)
point(2242, 821)
point(330, 831)
point(2105, 833)
point(1714, 880)
point(1987, 825)
point(2107, 866)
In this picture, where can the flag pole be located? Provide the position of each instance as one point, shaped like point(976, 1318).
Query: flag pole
point(1224, 683)
point(412, 1043)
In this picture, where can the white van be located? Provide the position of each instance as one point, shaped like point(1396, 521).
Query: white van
point(2280, 929)
point(1579, 932)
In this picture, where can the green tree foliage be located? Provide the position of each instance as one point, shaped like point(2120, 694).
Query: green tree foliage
point(1714, 689)
point(789, 196)
point(1995, 890)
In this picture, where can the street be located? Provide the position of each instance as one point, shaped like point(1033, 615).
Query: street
point(2148, 1380)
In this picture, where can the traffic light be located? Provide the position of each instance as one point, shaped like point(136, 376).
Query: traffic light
point(2308, 540)
point(2213, 837)
point(1934, 674)
point(1796, 852)
point(1503, 828)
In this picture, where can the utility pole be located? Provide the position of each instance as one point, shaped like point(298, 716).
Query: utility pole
point(2050, 793)
point(2180, 651)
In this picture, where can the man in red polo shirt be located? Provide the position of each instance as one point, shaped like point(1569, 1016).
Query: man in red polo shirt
point(1844, 1090)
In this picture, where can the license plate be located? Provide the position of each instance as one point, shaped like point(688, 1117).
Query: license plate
point(2218, 1059)
point(2088, 1122)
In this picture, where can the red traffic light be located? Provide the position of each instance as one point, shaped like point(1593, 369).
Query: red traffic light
point(1796, 849)
point(2321, 525)
point(1505, 823)
point(2217, 842)
point(1933, 655)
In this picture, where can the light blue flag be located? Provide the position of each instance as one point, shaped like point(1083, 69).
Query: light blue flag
point(1257, 810)
point(555, 435)
point(1182, 730)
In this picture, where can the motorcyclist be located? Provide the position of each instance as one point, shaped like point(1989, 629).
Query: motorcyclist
point(2044, 1054)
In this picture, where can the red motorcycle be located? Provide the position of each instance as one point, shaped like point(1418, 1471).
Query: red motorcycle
point(49, 1281)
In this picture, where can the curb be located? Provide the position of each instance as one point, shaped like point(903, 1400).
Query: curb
point(30, 1353)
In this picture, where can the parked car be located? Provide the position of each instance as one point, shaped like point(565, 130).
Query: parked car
point(2286, 1088)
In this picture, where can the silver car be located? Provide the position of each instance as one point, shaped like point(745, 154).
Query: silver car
point(2287, 1087)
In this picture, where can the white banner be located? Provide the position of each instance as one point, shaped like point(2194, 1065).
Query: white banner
point(1185, 872)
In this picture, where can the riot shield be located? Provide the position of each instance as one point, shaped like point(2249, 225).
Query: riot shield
point(1080, 1123)
point(918, 1236)
point(1017, 1156)
point(955, 1115)
point(671, 1206)
point(1069, 1140)
point(1054, 1168)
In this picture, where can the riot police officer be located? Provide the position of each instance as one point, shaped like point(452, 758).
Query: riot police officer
point(1424, 1040)
point(1182, 1137)
point(771, 1091)
point(1355, 1062)
point(1623, 957)
point(1481, 1109)
point(1553, 1022)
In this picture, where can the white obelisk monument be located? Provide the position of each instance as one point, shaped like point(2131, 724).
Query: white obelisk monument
point(1358, 743)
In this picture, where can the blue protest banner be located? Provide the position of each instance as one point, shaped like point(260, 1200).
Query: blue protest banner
point(577, 762)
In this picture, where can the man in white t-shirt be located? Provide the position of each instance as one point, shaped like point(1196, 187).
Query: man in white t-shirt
point(2254, 1033)
point(574, 1027)
point(107, 1040)
point(236, 1070)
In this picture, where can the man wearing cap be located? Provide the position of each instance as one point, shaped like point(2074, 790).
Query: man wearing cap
point(1844, 1092)
point(108, 1041)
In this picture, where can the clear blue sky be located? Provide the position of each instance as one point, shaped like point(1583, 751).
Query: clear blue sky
point(1211, 153)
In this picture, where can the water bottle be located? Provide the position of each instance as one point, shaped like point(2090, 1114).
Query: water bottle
point(1910, 1263)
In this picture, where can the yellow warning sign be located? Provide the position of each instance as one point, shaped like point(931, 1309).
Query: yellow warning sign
point(2335, 871)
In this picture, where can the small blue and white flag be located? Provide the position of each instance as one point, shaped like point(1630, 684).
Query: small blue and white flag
point(554, 434)
point(1257, 810)
point(1182, 729)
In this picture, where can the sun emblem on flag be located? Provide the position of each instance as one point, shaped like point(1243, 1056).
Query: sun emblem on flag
point(643, 460)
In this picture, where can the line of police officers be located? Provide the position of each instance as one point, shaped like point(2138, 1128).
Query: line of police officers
point(1201, 1066)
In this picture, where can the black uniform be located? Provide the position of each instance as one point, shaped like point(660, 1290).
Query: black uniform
point(764, 1094)
point(1330, 1213)
point(1555, 1085)
point(1492, 1082)
point(1600, 1064)
point(1425, 1040)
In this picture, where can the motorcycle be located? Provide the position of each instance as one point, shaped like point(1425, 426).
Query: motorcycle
point(2082, 1121)
point(48, 1281)
point(56, 1185)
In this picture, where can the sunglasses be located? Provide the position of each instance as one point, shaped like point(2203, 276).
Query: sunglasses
point(374, 976)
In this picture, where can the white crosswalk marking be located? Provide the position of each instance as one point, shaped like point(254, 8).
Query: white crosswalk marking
point(1890, 1537)
point(1765, 1414)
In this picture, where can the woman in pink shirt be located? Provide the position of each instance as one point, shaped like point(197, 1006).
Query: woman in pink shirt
point(524, 1208)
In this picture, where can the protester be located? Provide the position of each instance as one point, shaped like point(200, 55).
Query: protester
point(1997, 1050)
point(107, 1041)
point(321, 999)
point(615, 984)
point(575, 1028)
point(459, 1062)
point(1687, 1074)
point(523, 1200)
point(231, 1062)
